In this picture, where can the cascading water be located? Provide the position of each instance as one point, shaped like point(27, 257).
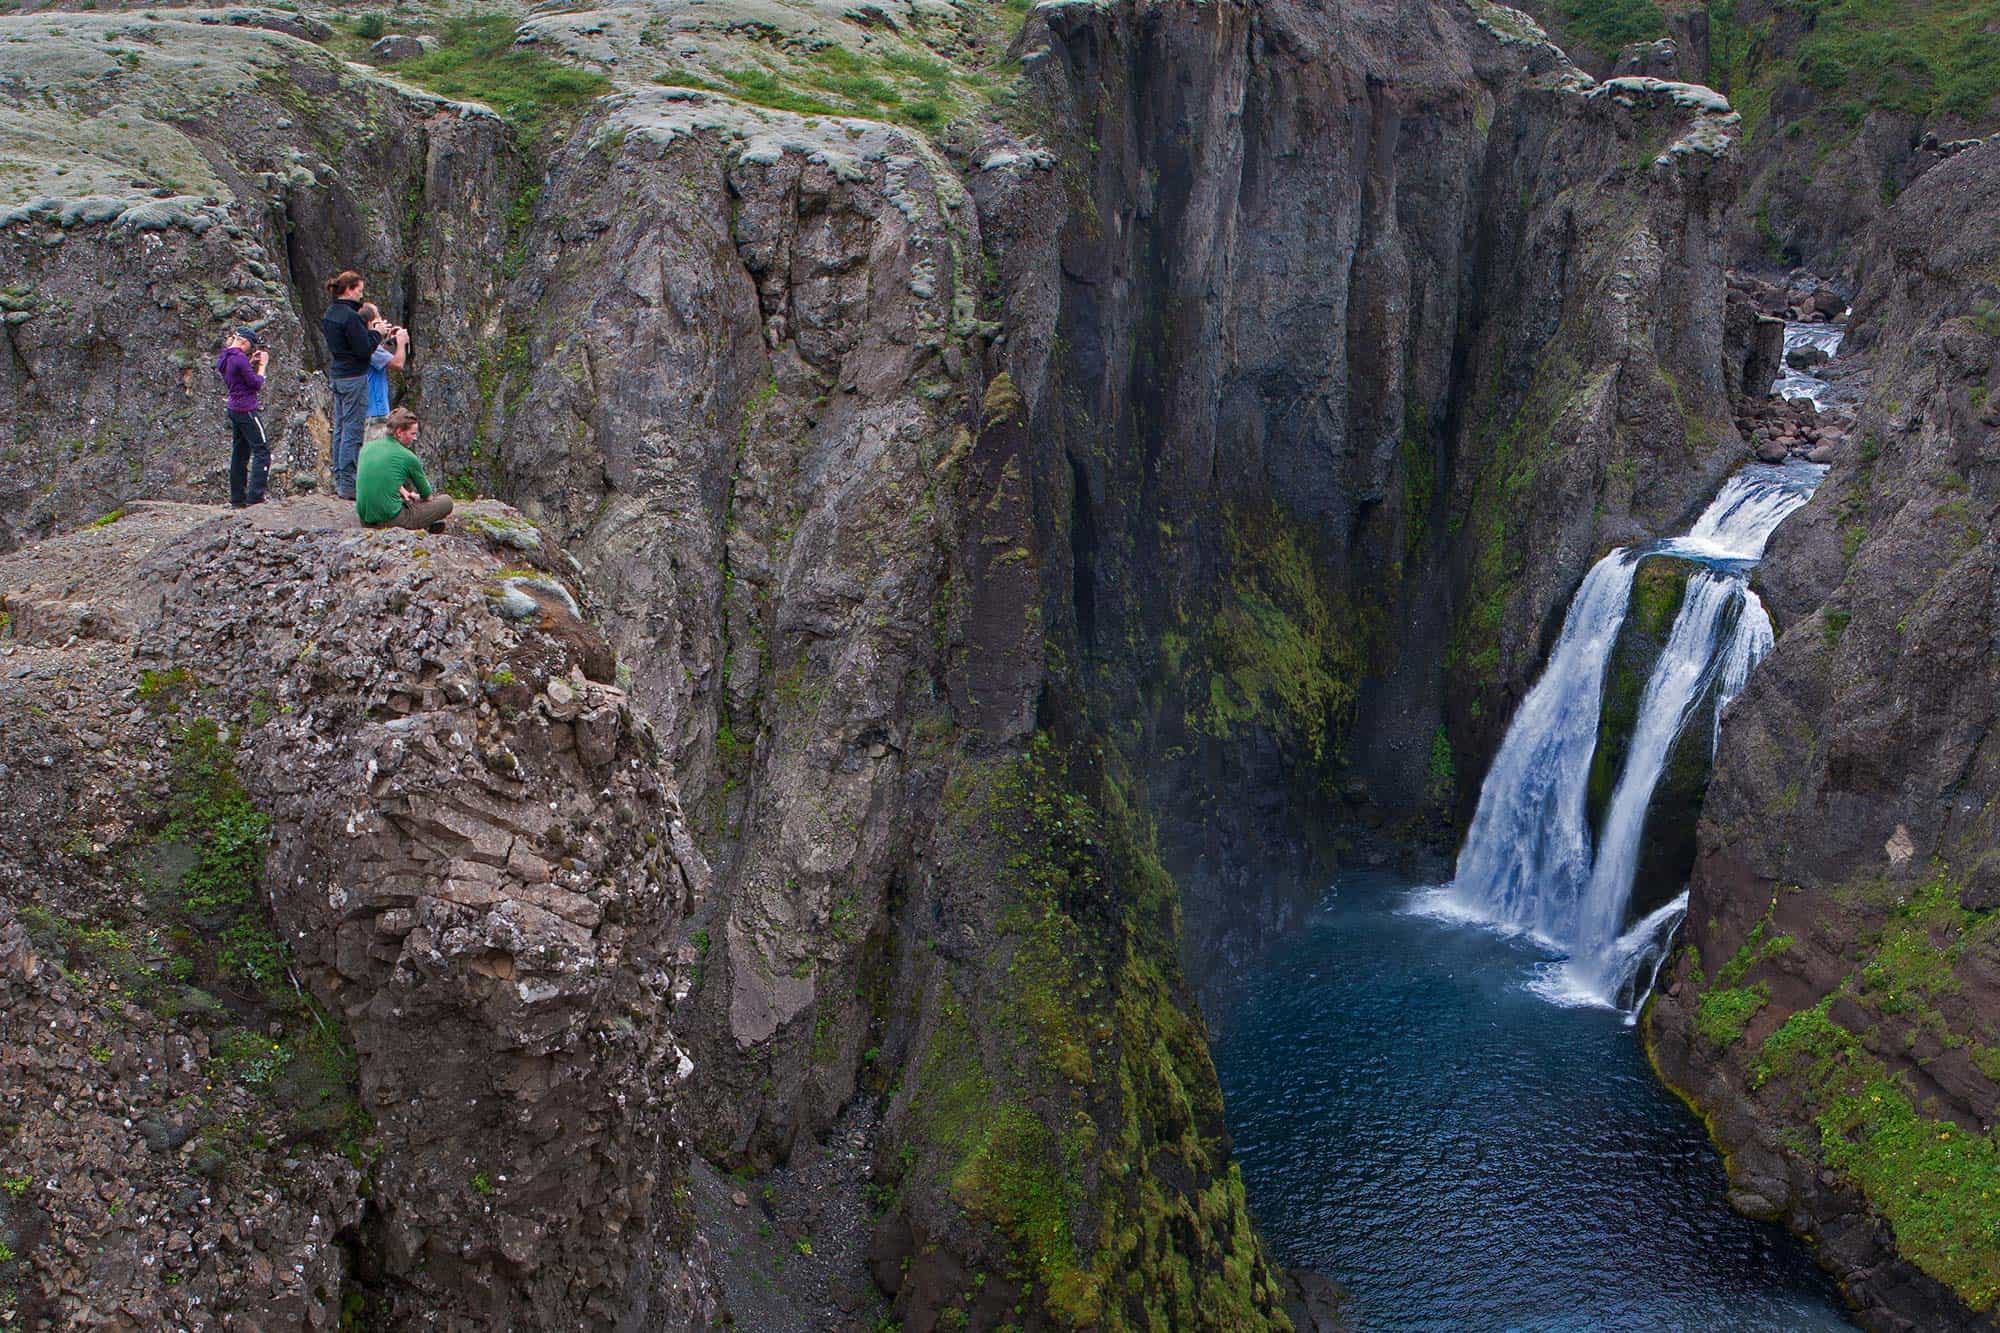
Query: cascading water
point(1530, 862)
point(1794, 383)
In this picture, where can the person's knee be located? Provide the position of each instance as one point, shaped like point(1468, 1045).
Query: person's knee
point(443, 505)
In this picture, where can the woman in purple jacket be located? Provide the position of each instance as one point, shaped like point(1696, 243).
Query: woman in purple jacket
point(241, 366)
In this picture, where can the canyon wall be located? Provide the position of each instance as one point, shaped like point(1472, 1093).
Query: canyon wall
point(1833, 1013)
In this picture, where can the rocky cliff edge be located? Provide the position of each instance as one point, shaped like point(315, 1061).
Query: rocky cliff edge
point(341, 909)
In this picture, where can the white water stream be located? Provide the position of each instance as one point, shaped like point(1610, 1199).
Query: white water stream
point(1795, 384)
point(1530, 862)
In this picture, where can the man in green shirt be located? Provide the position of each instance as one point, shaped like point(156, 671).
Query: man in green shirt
point(390, 489)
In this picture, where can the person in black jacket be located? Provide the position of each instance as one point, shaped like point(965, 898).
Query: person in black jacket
point(349, 345)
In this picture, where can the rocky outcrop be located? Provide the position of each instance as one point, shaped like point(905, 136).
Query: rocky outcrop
point(1833, 1013)
point(179, 176)
point(419, 1057)
point(1845, 104)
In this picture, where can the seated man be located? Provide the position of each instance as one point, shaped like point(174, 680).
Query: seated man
point(390, 489)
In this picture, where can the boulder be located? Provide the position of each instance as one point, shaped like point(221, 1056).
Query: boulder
point(399, 46)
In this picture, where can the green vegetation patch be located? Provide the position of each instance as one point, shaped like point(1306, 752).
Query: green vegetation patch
point(222, 835)
point(1605, 26)
point(1938, 58)
point(899, 87)
point(1090, 1134)
point(1936, 1184)
point(476, 59)
point(204, 957)
point(1721, 1015)
point(1285, 651)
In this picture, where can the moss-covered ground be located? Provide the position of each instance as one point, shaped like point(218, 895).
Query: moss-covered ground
point(475, 58)
point(1935, 1182)
point(1930, 58)
point(194, 944)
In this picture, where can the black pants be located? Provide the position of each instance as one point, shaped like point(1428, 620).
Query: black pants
point(249, 453)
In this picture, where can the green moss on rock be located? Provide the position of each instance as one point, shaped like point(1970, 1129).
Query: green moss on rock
point(1721, 1015)
point(1935, 1183)
point(1285, 650)
point(1088, 1136)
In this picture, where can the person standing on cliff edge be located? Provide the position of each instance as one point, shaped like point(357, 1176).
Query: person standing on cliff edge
point(393, 354)
point(350, 346)
point(241, 367)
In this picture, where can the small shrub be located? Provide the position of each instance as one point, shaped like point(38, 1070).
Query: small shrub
point(1442, 781)
point(370, 26)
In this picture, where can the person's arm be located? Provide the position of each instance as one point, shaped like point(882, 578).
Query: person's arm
point(239, 376)
point(365, 340)
point(381, 358)
point(414, 473)
point(402, 352)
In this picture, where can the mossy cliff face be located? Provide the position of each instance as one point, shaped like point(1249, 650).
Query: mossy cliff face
point(1834, 1012)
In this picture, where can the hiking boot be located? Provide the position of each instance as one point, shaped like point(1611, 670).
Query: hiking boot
point(436, 527)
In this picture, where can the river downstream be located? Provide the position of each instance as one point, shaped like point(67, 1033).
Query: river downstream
point(1460, 1154)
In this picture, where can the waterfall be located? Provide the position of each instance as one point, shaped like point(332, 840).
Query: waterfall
point(1530, 863)
point(1530, 841)
point(1679, 682)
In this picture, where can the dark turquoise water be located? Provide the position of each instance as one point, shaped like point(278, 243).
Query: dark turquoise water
point(1464, 1156)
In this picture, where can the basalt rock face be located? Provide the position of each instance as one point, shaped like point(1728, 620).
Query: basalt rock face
point(477, 868)
point(1834, 1014)
point(1304, 402)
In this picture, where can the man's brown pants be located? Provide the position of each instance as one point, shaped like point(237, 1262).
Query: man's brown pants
point(421, 514)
